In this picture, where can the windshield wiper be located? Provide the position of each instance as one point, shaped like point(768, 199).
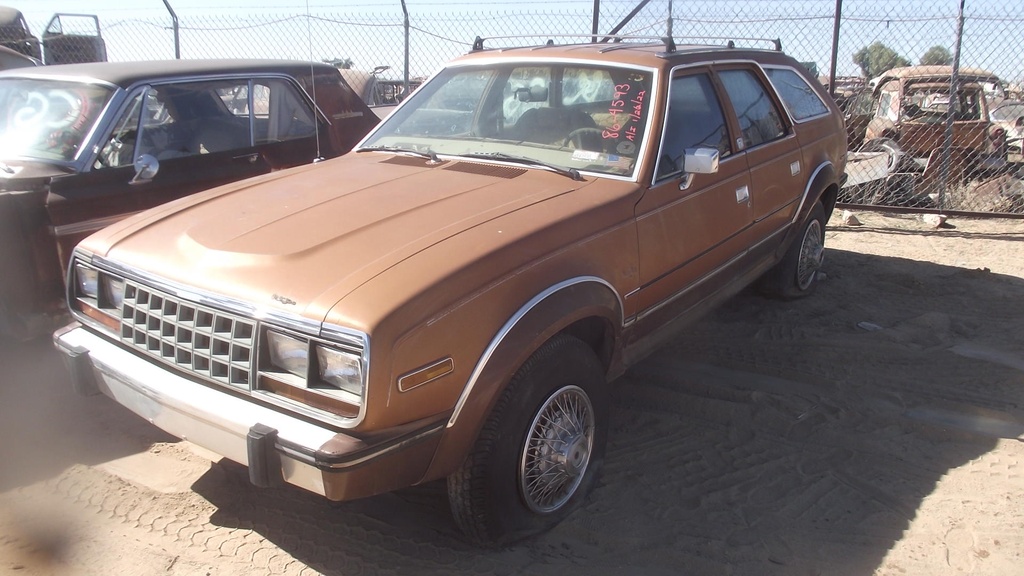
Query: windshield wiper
point(429, 154)
point(568, 172)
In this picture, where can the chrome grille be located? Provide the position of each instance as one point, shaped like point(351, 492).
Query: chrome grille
point(209, 343)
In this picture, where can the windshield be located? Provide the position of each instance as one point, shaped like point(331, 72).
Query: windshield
point(1008, 112)
point(47, 119)
point(567, 116)
point(929, 102)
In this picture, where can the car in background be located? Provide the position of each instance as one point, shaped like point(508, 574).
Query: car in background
point(13, 59)
point(1008, 115)
point(73, 39)
point(453, 298)
point(84, 145)
point(910, 108)
point(858, 109)
point(67, 38)
point(15, 34)
point(380, 94)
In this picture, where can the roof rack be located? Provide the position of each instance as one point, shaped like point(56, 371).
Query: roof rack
point(668, 41)
point(729, 42)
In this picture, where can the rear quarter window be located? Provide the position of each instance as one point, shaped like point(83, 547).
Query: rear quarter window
point(799, 97)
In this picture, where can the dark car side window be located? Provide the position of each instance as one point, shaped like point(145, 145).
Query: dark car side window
point(803, 102)
point(279, 113)
point(119, 149)
point(192, 118)
point(694, 120)
point(760, 120)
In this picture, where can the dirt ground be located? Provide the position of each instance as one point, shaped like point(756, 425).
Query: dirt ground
point(874, 428)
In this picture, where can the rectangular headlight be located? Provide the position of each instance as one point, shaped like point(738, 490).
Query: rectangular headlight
point(98, 294)
point(288, 353)
point(341, 370)
point(112, 292)
point(87, 280)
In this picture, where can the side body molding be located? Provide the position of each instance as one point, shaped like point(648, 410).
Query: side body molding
point(548, 313)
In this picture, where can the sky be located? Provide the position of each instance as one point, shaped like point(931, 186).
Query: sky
point(42, 10)
point(909, 26)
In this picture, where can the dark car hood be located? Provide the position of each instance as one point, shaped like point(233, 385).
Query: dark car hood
point(18, 175)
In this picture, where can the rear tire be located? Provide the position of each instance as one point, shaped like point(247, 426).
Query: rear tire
point(540, 450)
point(796, 275)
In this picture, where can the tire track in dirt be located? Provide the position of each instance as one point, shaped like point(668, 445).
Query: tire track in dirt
point(193, 522)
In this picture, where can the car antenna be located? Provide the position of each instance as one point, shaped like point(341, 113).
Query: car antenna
point(312, 77)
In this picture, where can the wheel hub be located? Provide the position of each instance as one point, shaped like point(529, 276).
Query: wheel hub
point(812, 252)
point(557, 450)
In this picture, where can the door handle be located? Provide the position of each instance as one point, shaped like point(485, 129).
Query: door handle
point(743, 194)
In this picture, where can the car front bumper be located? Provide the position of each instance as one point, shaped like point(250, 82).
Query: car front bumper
point(276, 446)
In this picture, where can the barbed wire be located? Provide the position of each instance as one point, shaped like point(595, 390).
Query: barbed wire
point(991, 41)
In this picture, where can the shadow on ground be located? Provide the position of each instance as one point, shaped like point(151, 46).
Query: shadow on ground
point(770, 438)
point(46, 427)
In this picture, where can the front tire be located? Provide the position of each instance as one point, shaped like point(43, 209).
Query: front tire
point(796, 275)
point(539, 452)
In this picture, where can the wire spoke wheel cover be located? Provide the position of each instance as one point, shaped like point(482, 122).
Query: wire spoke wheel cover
point(557, 450)
point(540, 450)
point(812, 254)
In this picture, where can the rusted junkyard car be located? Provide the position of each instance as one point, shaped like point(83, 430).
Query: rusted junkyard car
point(15, 34)
point(910, 109)
point(85, 145)
point(12, 59)
point(453, 299)
point(1009, 116)
point(380, 94)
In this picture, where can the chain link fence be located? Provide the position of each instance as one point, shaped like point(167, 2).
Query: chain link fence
point(916, 141)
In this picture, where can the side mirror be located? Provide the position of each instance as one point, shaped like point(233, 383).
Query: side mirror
point(698, 161)
point(146, 167)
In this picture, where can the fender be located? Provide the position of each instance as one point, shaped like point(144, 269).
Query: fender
point(30, 285)
point(823, 186)
point(587, 307)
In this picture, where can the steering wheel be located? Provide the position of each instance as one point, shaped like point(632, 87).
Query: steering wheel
point(576, 136)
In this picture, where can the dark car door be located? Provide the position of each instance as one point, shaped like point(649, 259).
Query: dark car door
point(197, 134)
point(690, 229)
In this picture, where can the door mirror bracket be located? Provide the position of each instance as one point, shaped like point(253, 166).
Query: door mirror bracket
point(146, 167)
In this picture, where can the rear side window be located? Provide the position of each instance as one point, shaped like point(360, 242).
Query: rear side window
point(801, 100)
point(759, 120)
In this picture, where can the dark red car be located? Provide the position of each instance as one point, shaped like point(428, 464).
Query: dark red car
point(84, 145)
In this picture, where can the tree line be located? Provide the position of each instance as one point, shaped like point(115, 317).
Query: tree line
point(878, 58)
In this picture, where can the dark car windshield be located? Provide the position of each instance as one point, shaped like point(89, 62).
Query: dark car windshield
point(572, 116)
point(48, 119)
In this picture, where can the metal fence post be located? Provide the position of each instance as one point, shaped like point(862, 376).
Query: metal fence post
point(174, 21)
point(837, 21)
point(954, 105)
point(405, 85)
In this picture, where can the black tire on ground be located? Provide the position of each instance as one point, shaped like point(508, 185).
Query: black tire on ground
point(796, 275)
point(540, 450)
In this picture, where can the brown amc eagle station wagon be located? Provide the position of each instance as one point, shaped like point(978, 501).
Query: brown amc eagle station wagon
point(454, 298)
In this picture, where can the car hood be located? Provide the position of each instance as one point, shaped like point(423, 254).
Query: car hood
point(300, 240)
point(28, 174)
